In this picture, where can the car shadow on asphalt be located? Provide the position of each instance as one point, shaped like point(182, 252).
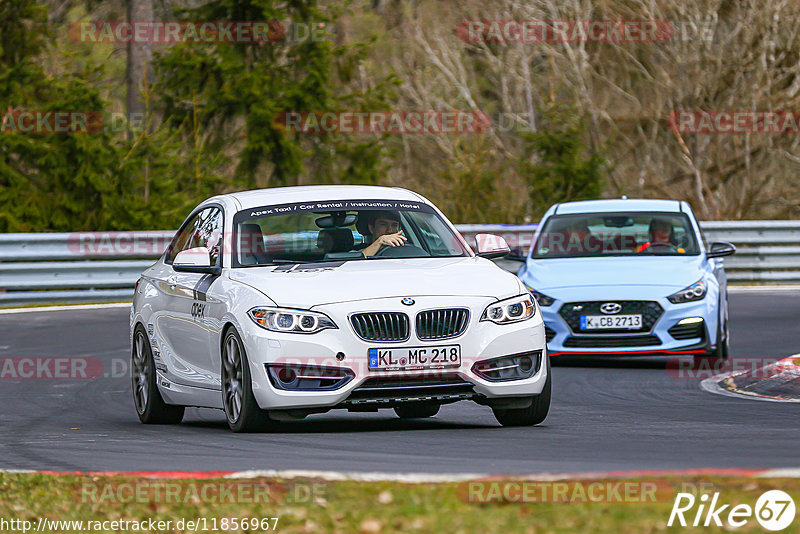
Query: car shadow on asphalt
point(341, 422)
point(346, 425)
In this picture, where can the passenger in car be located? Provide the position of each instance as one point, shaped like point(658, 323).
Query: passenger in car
point(574, 238)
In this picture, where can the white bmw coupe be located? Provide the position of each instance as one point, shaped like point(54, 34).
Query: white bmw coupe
point(280, 303)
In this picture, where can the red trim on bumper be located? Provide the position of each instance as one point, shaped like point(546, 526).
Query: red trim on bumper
point(631, 352)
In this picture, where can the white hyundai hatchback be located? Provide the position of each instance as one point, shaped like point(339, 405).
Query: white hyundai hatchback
point(280, 303)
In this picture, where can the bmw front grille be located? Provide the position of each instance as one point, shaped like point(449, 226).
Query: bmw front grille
point(441, 324)
point(431, 325)
point(381, 326)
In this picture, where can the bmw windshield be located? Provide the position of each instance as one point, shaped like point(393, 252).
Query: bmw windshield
point(616, 234)
point(342, 230)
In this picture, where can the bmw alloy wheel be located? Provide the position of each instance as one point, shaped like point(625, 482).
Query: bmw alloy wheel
point(150, 405)
point(141, 373)
point(232, 378)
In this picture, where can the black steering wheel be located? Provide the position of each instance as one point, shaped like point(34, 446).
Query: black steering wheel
point(660, 244)
point(403, 251)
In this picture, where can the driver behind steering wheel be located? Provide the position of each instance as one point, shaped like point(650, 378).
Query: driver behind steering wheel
point(384, 231)
point(660, 236)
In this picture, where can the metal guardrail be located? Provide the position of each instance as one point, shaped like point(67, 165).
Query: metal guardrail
point(75, 267)
point(101, 267)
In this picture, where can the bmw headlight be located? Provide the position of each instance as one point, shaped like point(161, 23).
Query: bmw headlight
point(290, 320)
point(541, 298)
point(511, 310)
point(696, 291)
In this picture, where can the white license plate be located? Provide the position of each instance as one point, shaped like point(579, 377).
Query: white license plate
point(414, 358)
point(601, 322)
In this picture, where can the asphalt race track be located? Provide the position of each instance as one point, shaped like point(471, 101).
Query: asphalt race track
point(618, 415)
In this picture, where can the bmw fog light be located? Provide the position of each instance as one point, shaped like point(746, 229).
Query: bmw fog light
point(505, 368)
point(308, 377)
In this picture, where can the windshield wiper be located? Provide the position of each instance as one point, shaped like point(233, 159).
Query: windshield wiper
point(287, 262)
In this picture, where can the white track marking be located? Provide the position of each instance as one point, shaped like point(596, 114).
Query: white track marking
point(765, 289)
point(423, 478)
point(411, 478)
point(66, 307)
point(783, 472)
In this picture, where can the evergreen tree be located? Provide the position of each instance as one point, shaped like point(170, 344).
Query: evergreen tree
point(563, 169)
point(241, 89)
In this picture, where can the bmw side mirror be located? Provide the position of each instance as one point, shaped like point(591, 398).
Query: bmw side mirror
point(491, 246)
point(517, 254)
point(195, 260)
point(719, 249)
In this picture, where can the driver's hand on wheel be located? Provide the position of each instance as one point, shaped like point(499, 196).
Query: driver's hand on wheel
point(385, 240)
point(392, 240)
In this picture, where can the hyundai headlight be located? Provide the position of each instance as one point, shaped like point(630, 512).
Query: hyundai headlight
point(696, 291)
point(511, 310)
point(290, 320)
point(541, 298)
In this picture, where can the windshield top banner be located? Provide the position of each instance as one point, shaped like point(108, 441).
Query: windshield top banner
point(332, 205)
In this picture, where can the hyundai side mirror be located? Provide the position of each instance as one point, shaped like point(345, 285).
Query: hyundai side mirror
point(719, 249)
point(195, 260)
point(491, 246)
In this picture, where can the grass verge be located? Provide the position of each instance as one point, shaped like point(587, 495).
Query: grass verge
point(309, 505)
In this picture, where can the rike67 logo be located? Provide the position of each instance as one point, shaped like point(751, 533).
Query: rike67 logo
point(774, 510)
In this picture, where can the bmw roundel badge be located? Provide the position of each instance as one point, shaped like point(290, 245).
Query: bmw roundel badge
point(408, 301)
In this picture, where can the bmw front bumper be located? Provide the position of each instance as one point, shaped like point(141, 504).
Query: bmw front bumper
point(342, 349)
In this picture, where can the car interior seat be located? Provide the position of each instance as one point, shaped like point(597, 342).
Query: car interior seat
point(252, 250)
point(332, 240)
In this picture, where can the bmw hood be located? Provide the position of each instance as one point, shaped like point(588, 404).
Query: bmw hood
point(670, 273)
point(309, 285)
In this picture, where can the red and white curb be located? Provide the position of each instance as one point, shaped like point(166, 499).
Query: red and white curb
point(782, 371)
point(422, 478)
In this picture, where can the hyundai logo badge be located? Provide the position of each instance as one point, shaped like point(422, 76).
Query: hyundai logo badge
point(610, 308)
point(407, 301)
